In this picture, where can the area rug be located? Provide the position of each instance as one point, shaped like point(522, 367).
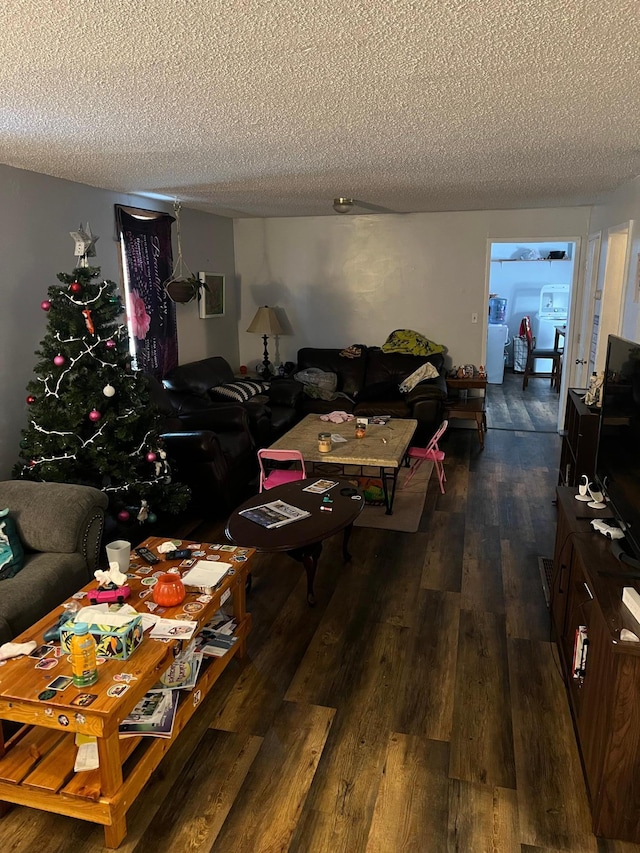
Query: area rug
point(407, 506)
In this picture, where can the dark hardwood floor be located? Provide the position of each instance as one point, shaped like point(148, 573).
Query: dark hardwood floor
point(418, 707)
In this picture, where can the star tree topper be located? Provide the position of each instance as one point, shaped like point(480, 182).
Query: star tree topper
point(85, 244)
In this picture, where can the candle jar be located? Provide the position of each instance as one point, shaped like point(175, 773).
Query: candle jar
point(324, 442)
point(361, 430)
point(169, 590)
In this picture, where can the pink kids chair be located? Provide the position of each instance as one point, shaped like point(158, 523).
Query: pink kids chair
point(270, 477)
point(431, 452)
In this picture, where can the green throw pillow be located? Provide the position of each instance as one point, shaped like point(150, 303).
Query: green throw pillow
point(11, 552)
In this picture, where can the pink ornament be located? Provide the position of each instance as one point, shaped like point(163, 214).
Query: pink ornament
point(45, 305)
point(110, 344)
point(31, 399)
point(94, 415)
point(123, 515)
point(59, 360)
point(151, 456)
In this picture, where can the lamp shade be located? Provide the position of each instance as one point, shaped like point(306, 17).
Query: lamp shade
point(265, 322)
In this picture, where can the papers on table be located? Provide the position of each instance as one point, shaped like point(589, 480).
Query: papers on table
point(173, 629)
point(274, 514)
point(216, 638)
point(205, 575)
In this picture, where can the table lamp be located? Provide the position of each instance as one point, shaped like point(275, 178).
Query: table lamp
point(265, 323)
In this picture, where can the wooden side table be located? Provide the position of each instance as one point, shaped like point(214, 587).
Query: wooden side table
point(459, 405)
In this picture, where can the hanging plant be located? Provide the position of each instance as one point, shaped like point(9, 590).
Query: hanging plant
point(184, 289)
point(183, 286)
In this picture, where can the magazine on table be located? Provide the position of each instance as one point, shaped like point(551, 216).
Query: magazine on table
point(153, 716)
point(274, 514)
point(320, 486)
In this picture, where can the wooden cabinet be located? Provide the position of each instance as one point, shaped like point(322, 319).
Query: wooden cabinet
point(468, 407)
point(579, 440)
point(586, 591)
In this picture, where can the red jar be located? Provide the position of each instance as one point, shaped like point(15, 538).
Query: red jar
point(169, 590)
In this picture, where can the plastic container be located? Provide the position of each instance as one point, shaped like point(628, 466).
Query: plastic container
point(169, 590)
point(324, 442)
point(497, 310)
point(84, 667)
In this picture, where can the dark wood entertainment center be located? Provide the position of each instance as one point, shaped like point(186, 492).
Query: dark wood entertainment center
point(579, 440)
point(586, 590)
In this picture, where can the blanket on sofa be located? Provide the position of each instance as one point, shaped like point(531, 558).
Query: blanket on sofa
point(408, 341)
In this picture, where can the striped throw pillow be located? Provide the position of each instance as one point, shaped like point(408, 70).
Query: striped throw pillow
point(240, 391)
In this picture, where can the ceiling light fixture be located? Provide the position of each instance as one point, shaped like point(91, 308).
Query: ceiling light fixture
point(346, 205)
point(343, 205)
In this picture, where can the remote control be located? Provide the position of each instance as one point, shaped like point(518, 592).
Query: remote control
point(147, 555)
point(182, 554)
point(607, 530)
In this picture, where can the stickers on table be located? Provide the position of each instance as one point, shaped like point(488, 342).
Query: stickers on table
point(47, 663)
point(84, 699)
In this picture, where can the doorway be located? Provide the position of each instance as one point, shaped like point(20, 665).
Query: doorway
point(605, 301)
point(536, 278)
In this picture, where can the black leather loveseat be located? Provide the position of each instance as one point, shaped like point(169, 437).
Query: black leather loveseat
point(211, 450)
point(370, 385)
point(199, 385)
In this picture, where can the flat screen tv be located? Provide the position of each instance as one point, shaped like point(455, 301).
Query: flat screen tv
point(618, 453)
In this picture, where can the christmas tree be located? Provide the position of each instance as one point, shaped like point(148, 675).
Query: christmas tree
point(91, 420)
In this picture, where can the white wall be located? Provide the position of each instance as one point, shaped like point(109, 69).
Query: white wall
point(354, 279)
point(36, 214)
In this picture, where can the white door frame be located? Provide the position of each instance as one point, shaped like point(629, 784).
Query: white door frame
point(579, 373)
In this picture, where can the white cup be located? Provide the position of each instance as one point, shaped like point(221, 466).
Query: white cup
point(119, 552)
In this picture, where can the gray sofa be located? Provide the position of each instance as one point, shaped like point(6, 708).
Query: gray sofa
point(60, 527)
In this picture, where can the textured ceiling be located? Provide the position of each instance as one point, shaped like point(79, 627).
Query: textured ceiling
point(273, 107)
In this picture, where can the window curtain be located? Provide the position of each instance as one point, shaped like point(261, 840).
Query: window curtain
point(147, 264)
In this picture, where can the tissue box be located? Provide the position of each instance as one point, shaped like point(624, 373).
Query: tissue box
point(111, 642)
point(631, 600)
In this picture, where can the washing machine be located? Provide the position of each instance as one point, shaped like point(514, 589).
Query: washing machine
point(553, 311)
point(497, 337)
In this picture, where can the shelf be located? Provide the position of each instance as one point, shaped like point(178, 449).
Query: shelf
point(530, 260)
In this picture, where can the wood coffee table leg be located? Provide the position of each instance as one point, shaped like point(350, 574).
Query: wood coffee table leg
point(309, 557)
point(346, 556)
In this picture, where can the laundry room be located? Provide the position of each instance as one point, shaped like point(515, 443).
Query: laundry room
point(526, 280)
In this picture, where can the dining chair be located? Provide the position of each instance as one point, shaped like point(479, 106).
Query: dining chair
point(534, 352)
point(432, 453)
point(273, 476)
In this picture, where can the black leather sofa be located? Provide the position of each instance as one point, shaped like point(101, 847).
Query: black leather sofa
point(211, 450)
point(371, 385)
point(192, 388)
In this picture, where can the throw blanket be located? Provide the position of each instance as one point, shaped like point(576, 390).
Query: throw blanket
point(354, 351)
point(405, 340)
point(337, 417)
point(427, 371)
point(320, 384)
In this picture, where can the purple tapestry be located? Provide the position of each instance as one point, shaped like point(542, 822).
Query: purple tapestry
point(151, 314)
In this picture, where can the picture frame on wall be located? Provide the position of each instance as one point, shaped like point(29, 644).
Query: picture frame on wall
point(212, 299)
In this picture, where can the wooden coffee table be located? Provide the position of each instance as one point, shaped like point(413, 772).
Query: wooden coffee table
point(384, 447)
point(36, 764)
point(302, 540)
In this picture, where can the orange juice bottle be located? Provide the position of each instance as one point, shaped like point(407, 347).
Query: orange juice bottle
point(84, 667)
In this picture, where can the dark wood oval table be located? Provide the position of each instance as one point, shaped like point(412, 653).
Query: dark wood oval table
point(302, 539)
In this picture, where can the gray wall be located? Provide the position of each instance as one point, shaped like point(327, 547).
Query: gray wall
point(36, 214)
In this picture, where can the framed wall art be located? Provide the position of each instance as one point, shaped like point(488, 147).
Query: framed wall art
point(212, 298)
